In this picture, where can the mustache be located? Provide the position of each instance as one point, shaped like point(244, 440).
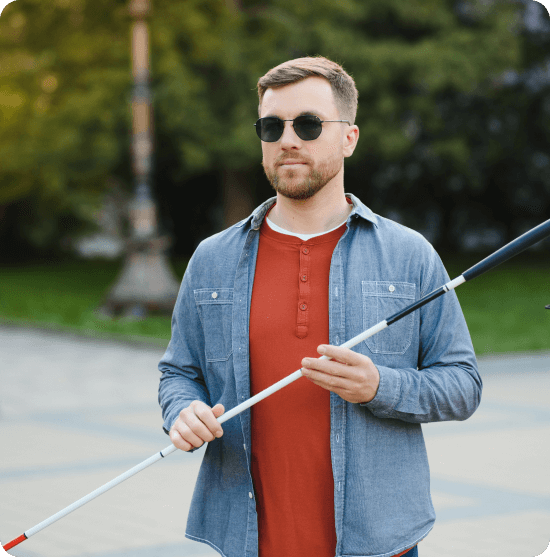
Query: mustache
point(291, 159)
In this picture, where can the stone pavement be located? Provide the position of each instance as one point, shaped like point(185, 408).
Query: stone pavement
point(77, 412)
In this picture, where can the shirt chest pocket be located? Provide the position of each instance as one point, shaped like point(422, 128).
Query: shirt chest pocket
point(381, 299)
point(215, 307)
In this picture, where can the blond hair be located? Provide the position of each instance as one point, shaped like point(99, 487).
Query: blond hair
point(342, 84)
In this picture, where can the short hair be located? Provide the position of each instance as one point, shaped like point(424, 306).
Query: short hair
point(342, 84)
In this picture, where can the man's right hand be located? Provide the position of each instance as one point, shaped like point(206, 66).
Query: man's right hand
point(196, 425)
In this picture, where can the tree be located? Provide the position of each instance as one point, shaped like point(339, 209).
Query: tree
point(66, 89)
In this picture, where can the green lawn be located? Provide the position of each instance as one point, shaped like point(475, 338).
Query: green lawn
point(66, 295)
point(504, 308)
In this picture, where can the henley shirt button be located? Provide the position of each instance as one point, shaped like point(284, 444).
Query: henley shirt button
point(304, 278)
point(250, 494)
point(392, 288)
point(303, 307)
point(306, 250)
point(214, 295)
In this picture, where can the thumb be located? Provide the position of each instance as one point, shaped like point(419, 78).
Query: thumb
point(218, 410)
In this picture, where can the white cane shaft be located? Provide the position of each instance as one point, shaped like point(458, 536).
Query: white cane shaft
point(365, 334)
point(99, 491)
point(296, 375)
point(260, 396)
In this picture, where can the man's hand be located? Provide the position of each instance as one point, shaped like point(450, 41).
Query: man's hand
point(196, 425)
point(350, 375)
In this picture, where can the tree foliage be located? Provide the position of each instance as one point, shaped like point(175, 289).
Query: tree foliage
point(429, 73)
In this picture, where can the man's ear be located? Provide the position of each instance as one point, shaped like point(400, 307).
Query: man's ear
point(351, 143)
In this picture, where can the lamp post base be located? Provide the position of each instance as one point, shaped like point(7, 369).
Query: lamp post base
point(145, 284)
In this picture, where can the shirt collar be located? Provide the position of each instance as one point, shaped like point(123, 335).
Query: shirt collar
point(258, 215)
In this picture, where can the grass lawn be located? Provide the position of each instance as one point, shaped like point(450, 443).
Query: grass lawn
point(504, 308)
point(65, 296)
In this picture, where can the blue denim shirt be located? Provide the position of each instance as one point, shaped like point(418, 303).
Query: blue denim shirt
point(428, 372)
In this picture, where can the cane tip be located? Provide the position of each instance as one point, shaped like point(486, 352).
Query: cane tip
point(13, 543)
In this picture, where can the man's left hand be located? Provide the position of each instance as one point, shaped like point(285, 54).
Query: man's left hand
point(349, 374)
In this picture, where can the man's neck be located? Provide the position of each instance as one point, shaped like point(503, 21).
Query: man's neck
point(320, 213)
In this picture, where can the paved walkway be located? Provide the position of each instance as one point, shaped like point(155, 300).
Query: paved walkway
point(75, 413)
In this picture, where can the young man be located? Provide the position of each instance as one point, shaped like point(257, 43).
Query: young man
point(335, 463)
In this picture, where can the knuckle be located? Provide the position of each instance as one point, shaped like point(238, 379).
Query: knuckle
point(197, 406)
point(202, 412)
point(178, 441)
point(186, 413)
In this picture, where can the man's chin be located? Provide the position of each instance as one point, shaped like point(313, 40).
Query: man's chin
point(299, 193)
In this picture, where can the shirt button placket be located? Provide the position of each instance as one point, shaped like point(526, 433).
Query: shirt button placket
point(304, 292)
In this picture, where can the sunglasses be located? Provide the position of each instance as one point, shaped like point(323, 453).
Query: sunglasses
point(307, 127)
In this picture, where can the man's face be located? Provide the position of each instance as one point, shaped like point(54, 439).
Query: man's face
point(322, 159)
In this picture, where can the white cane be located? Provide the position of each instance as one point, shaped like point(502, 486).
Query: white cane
point(503, 254)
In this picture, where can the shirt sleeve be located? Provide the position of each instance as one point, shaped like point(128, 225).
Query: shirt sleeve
point(182, 380)
point(446, 385)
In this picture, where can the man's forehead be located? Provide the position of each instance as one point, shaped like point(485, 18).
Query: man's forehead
point(309, 96)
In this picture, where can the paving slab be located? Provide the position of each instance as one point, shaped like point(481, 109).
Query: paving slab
point(76, 412)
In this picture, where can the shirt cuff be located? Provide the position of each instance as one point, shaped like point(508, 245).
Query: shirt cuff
point(388, 391)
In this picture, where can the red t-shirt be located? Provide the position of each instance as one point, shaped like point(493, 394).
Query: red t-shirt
point(291, 460)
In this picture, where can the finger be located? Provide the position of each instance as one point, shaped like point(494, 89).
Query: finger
point(197, 427)
point(179, 441)
point(329, 382)
point(207, 417)
point(218, 410)
point(329, 367)
point(344, 355)
point(189, 427)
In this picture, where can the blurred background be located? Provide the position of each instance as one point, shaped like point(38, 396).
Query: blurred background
point(126, 138)
point(454, 118)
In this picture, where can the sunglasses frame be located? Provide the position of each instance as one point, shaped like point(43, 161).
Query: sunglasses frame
point(259, 127)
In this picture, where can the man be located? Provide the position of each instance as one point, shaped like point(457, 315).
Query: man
point(334, 464)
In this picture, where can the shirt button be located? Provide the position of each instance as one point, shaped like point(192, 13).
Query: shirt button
point(337, 438)
point(303, 278)
point(303, 307)
point(250, 494)
point(392, 288)
point(214, 295)
point(305, 250)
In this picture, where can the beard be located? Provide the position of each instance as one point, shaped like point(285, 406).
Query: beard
point(287, 182)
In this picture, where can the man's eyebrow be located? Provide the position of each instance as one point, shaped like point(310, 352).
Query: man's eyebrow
point(303, 113)
point(311, 113)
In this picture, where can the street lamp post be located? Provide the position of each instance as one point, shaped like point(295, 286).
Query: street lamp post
point(146, 281)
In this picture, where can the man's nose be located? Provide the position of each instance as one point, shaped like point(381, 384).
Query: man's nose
point(289, 137)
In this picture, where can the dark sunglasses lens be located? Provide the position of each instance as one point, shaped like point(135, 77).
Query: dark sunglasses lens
point(308, 127)
point(269, 129)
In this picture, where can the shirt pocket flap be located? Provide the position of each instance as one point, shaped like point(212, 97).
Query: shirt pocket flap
point(390, 289)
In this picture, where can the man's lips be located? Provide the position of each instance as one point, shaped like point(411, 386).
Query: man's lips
point(289, 163)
